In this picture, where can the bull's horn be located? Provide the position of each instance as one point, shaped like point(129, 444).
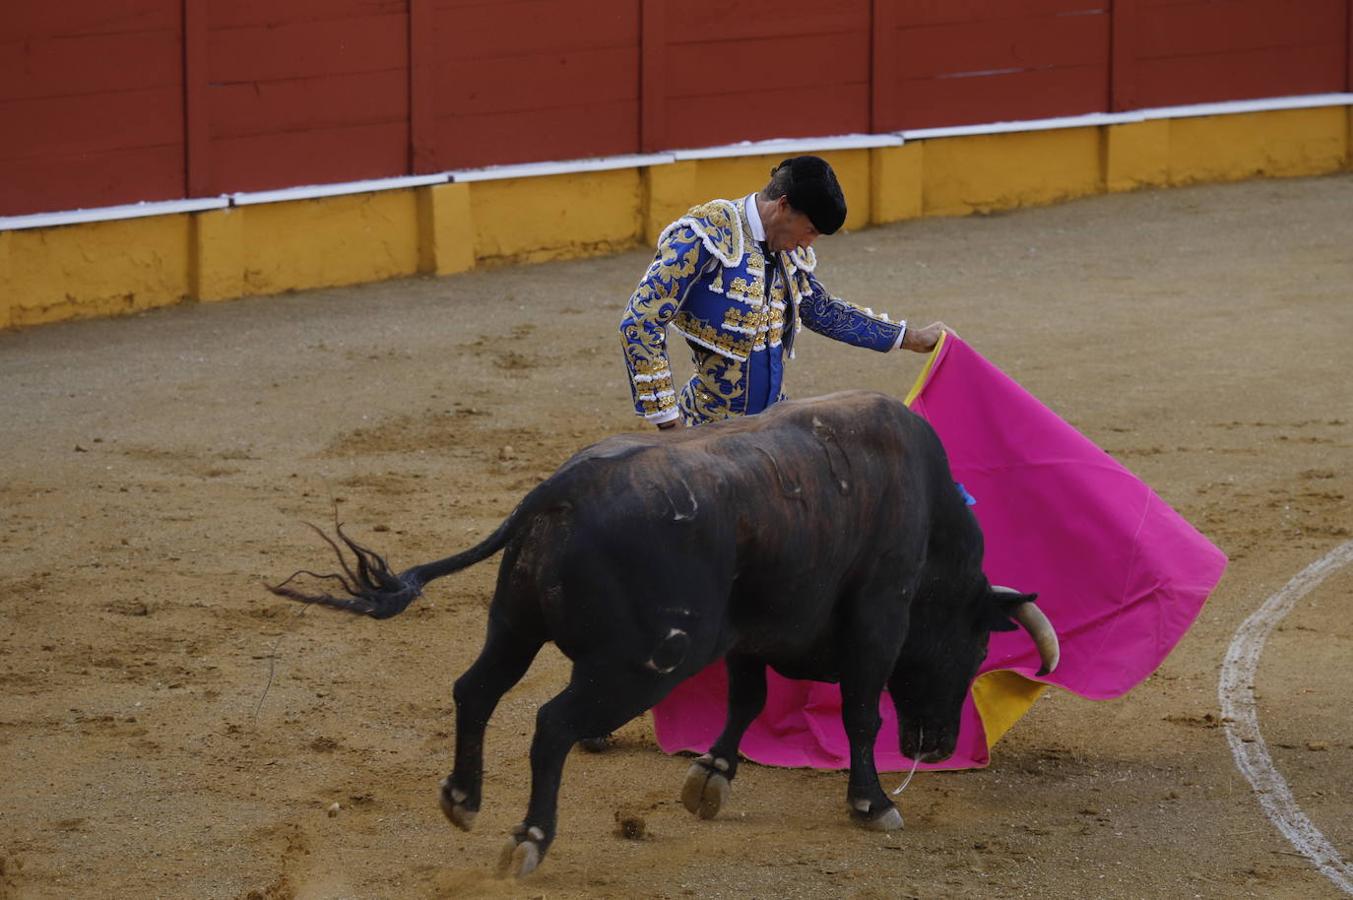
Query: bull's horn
point(1044, 635)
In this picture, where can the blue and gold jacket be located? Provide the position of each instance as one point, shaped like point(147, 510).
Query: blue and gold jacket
point(708, 281)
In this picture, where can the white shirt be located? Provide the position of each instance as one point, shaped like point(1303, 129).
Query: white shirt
point(754, 217)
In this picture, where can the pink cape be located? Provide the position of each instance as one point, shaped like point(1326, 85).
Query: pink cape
point(1121, 575)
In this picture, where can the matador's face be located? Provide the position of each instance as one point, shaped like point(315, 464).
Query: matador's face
point(787, 228)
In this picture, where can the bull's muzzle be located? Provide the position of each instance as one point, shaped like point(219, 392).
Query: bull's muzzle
point(926, 744)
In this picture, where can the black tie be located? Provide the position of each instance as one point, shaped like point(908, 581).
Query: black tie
point(773, 266)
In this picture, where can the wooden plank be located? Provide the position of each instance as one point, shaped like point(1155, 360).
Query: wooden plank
point(542, 82)
point(1123, 56)
point(702, 121)
point(1196, 30)
point(731, 21)
point(422, 87)
point(885, 93)
point(1348, 50)
point(196, 124)
point(575, 132)
point(652, 75)
point(23, 21)
point(89, 64)
point(943, 12)
point(271, 13)
point(538, 26)
point(817, 60)
point(1035, 42)
point(58, 182)
point(93, 123)
point(309, 49)
point(266, 161)
point(1267, 72)
point(1030, 94)
point(305, 104)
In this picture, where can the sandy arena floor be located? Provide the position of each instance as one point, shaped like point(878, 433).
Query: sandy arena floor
point(169, 728)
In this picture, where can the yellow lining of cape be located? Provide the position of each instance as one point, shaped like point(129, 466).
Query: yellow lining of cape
point(925, 372)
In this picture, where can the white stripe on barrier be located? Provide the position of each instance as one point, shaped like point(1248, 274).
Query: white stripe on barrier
point(111, 213)
point(1089, 120)
point(792, 146)
point(563, 167)
point(1233, 107)
point(338, 189)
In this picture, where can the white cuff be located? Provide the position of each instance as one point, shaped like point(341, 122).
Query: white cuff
point(666, 415)
point(902, 323)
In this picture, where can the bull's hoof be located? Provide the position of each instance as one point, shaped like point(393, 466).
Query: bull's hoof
point(888, 819)
point(453, 806)
point(706, 790)
point(521, 855)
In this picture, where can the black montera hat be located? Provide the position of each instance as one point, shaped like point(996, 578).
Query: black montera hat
point(814, 191)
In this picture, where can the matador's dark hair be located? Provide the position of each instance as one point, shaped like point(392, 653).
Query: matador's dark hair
point(811, 187)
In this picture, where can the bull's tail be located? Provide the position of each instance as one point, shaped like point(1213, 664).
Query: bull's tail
point(371, 588)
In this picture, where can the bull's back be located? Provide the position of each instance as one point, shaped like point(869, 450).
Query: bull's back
point(782, 485)
point(777, 514)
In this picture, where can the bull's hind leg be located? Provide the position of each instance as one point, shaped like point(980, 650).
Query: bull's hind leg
point(501, 664)
point(597, 700)
point(710, 777)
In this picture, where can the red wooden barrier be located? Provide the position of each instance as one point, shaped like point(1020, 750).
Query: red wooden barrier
point(1190, 52)
point(885, 82)
point(753, 69)
point(422, 87)
point(1123, 55)
point(197, 128)
point(529, 80)
point(91, 103)
point(105, 102)
point(307, 91)
point(962, 62)
point(652, 75)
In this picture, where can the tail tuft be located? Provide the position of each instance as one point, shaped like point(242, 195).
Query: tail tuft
point(371, 590)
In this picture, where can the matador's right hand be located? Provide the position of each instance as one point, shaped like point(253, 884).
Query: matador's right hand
point(923, 340)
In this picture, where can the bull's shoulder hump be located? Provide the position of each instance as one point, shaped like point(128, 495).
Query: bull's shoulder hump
point(629, 455)
point(854, 406)
point(632, 475)
point(611, 450)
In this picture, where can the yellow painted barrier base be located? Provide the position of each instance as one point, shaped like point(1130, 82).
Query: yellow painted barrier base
point(118, 267)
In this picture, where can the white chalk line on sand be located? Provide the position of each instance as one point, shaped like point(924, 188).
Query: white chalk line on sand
point(1241, 719)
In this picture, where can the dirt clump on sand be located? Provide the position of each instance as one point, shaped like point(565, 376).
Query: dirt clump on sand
point(169, 728)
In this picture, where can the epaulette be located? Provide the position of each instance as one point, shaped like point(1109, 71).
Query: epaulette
point(717, 225)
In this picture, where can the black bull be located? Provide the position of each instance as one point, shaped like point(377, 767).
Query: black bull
point(824, 538)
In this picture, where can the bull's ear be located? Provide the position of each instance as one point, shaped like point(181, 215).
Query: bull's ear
point(1002, 605)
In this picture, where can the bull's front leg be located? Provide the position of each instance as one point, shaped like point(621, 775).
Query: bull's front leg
point(709, 780)
point(501, 664)
point(862, 680)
